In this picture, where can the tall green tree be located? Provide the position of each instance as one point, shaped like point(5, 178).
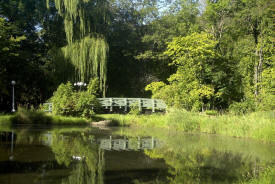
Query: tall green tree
point(244, 31)
point(201, 74)
point(179, 18)
point(126, 76)
point(22, 59)
point(87, 50)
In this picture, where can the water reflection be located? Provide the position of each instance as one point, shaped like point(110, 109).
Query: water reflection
point(87, 155)
point(79, 152)
point(208, 158)
point(127, 144)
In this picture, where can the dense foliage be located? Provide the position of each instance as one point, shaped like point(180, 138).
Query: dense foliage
point(67, 101)
point(194, 54)
point(229, 62)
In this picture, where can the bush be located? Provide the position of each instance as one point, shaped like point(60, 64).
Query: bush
point(63, 100)
point(211, 112)
point(68, 102)
point(244, 107)
point(85, 103)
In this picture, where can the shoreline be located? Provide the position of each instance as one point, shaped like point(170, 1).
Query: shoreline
point(258, 126)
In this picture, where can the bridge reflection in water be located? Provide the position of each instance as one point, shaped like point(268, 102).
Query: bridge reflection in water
point(118, 144)
point(127, 144)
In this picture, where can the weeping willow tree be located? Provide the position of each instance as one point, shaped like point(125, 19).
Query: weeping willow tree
point(87, 49)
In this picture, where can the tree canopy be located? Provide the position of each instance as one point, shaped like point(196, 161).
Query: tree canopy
point(196, 55)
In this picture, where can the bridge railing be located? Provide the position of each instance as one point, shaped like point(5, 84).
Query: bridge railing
point(48, 107)
point(126, 103)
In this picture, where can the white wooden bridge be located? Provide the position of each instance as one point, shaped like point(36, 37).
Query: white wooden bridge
point(125, 103)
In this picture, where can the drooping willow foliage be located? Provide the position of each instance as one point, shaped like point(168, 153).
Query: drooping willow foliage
point(89, 56)
point(87, 49)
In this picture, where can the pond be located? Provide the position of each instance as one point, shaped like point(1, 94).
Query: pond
point(80, 155)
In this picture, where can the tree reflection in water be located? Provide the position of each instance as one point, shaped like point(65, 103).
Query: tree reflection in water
point(78, 157)
point(85, 156)
point(208, 159)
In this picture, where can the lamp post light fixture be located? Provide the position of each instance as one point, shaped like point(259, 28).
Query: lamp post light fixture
point(13, 83)
point(80, 84)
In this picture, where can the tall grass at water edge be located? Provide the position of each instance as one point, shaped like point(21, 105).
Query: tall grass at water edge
point(266, 177)
point(258, 125)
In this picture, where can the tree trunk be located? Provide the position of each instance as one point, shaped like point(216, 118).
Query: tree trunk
point(258, 68)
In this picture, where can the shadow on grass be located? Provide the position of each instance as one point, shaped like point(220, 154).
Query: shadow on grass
point(33, 117)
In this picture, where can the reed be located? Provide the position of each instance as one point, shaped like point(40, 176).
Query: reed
point(266, 177)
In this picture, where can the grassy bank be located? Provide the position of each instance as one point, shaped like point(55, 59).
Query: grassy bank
point(258, 125)
point(23, 116)
point(5, 118)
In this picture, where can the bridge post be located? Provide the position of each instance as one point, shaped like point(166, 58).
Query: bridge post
point(110, 146)
point(125, 103)
point(139, 144)
point(139, 105)
point(125, 144)
point(153, 143)
point(153, 105)
point(111, 104)
point(51, 107)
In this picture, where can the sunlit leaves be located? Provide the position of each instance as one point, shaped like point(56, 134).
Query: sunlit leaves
point(191, 50)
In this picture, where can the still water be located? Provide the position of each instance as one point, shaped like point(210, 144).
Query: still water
point(82, 155)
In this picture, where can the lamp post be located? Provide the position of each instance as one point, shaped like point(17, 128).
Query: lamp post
point(80, 84)
point(13, 83)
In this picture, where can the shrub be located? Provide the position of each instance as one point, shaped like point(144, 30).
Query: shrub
point(243, 107)
point(85, 103)
point(67, 102)
point(63, 100)
point(211, 112)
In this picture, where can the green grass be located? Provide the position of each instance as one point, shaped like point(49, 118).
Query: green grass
point(67, 120)
point(266, 177)
point(5, 122)
point(23, 116)
point(5, 118)
point(258, 125)
point(131, 119)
